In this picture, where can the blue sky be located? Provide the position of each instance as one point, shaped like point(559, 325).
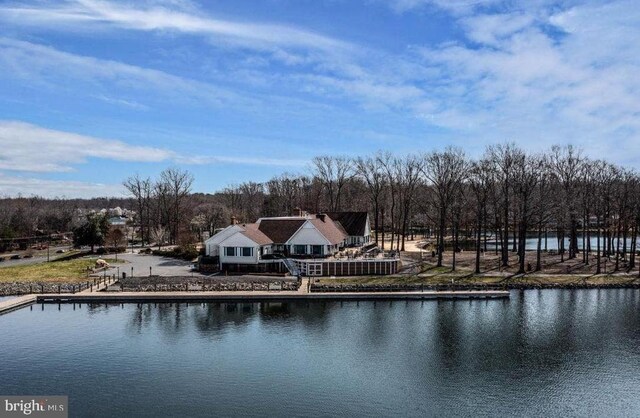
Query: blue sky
point(93, 91)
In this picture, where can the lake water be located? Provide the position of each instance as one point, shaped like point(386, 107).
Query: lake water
point(531, 243)
point(540, 353)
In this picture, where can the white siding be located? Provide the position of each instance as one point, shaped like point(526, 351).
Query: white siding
point(308, 235)
point(238, 240)
point(212, 243)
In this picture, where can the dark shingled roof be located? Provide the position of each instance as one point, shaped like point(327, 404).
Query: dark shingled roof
point(352, 222)
point(280, 230)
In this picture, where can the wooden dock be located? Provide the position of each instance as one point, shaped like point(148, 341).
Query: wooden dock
point(98, 295)
point(255, 296)
point(17, 303)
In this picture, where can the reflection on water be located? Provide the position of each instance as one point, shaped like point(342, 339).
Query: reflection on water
point(542, 352)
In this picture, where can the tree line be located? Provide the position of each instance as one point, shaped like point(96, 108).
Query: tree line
point(505, 197)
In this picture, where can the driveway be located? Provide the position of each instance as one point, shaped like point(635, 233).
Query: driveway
point(160, 266)
point(39, 256)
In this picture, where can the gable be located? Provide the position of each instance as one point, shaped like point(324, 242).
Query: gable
point(222, 235)
point(308, 234)
point(354, 223)
point(238, 239)
point(280, 230)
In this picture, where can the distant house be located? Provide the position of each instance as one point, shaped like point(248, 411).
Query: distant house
point(117, 221)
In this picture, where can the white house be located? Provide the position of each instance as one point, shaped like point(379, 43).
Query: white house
point(300, 245)
point(308, 236)
point(239, 244)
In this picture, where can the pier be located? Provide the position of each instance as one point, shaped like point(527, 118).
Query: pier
point(239, 296)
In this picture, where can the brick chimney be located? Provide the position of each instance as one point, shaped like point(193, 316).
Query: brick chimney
point(321, 216)
point(234, 220)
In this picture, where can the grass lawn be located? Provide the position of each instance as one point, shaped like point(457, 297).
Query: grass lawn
point(55, 272)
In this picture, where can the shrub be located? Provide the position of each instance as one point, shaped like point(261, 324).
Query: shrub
point(186, 252)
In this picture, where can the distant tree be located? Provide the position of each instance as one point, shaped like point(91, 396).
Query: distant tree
point(116, 239)
point(480, 180)
point(567, 164)
point(174, 188)
point(527, 174)
point(333, 172)
point(370, 169)
point(446, 172)
point(159, 234)
point(141, 190)
point(504, 157)
point(92, 232)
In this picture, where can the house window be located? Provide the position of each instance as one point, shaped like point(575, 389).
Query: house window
point(314, 269)
point(299, 249)
point(247, 251)
point(316, 249)
point(230, 251)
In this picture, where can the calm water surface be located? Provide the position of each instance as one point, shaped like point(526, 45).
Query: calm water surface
point(541, 353)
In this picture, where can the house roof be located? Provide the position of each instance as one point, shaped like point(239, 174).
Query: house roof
point(355, 223)
point(329, 229)
point(252, 232)
point(280, 230)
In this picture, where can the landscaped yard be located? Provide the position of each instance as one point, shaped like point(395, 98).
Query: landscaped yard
point(57, 271)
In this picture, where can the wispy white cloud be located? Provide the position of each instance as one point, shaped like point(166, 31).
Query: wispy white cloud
point(528, 71)
point(164, 17)
point(26, 147)
point(243, 160)
point(47, 66)
point(29, 186)
point(30, 148)
point(454, 6)
point(553, 76)
point(131, 104)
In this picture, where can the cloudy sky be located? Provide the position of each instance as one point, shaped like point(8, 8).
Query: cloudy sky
point(92, 91)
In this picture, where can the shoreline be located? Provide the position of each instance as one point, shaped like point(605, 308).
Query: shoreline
point(350, 286)
point(475, 286)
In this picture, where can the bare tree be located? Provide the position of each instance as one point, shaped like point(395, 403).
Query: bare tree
point(504, 157)
point(141, 190)
point(371, 170)
point(567, 164)
point(480, 181)
point(159, 235)
point(175, 187)
point(445, 171)
point(527, 173)
point(333, 172)
point(410, 169)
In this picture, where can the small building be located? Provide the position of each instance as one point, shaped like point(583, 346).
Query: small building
point(117, 221)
